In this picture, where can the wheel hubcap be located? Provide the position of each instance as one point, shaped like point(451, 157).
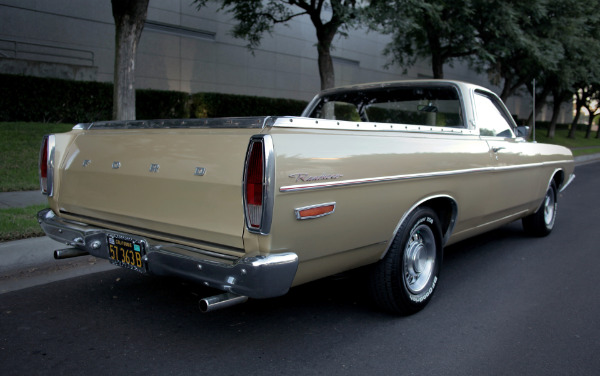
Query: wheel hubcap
point(549, 208)
point(419, 259)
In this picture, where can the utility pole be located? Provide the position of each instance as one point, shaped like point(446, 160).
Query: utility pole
point(533, 124)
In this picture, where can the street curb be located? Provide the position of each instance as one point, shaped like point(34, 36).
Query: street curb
point(30, 262)
point(27, 253)
point(587, 158)
point(22, 199)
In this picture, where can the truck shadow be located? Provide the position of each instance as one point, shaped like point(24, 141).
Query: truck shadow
point(92, 313)
point(347, 293)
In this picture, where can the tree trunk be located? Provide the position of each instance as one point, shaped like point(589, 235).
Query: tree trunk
point(129, 16)
point(557, 97)
point(326, 71)
point(574, 123)
point(510, 88)
point(588, 131)
point(437, 59)
point(579, 103)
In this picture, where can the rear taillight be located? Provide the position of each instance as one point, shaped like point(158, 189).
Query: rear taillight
point(257, 185)
point(46, 165)
point(254, 185)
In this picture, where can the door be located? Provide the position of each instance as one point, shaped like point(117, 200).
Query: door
point(515, 173)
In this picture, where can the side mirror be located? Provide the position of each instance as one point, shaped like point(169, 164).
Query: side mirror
point(523, 131)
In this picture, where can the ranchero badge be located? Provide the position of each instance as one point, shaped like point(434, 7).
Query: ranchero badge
point(306, 177)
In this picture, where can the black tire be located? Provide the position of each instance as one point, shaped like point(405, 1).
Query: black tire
point(542, 221)
point(404, 281)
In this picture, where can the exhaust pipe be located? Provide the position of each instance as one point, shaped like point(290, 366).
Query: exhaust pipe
point(66, 253)
point(216, 302)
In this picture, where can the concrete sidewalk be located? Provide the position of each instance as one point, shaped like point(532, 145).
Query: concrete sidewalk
point(587, 158)
point(21, 199)
point(30, 262)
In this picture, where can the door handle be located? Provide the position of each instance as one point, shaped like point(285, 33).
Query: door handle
point(498, 148)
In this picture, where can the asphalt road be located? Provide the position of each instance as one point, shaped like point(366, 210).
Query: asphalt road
point(507, 305)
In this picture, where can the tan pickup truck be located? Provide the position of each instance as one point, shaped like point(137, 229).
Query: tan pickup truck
point(379, 175)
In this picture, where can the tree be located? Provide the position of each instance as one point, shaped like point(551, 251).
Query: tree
point(519, 41)
point(568, 23)
point(439, 30)
point(592, 106)
point(257, 17)
point(587, 78)
point(130, 16)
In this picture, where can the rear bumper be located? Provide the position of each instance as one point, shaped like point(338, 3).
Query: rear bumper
point(255, 277)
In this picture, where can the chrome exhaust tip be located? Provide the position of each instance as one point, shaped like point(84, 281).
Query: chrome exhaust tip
point(66, 253)
point(216, 302)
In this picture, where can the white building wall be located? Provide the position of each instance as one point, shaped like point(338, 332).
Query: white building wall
point(192, 50)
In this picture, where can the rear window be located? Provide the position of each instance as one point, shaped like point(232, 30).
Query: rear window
point(432, 106)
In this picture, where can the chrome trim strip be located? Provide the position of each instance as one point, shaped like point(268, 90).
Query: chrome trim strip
point(313, 123)
point(571, 178)
point(345, 183)
point(257, 122)
point(82, 126)
point(298, 210)
point(47, 186)
point(253, 276)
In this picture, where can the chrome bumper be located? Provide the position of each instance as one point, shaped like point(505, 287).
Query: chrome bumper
point(255, 277)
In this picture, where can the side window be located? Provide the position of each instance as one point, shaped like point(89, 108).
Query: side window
point(490, 117)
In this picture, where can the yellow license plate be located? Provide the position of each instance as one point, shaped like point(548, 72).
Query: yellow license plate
point(126, 252)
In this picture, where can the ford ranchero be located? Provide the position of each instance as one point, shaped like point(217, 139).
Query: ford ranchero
point(380, 176)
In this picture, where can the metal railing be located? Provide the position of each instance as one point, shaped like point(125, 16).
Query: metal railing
point(45, 53)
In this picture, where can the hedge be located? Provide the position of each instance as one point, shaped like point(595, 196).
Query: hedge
point(34, 99)
point(161, 104)
point(209, 105)
point(50, 100)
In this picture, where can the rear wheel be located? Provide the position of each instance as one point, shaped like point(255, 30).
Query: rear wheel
point(541, 222)
point(403, 282)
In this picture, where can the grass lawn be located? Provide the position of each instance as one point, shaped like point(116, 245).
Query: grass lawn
point(19, 152)
point(579, 145)
point(20, 223)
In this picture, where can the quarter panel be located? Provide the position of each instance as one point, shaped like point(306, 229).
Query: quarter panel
point(380, 175)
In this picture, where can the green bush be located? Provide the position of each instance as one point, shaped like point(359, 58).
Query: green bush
point(161, 104)
point(50, 100)
point(207, 105)
point(546, 125)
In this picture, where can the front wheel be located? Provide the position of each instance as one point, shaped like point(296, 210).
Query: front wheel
point(403, 281)
point(541, 222)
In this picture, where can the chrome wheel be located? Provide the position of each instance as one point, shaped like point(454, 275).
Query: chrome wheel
point(542, 221)
point(404, 281)
point(419, 259)
point(549, 208)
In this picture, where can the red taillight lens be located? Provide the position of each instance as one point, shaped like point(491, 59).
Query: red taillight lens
point(254, 178)
point(44, 166)
point(254, 185)
point(44, 159)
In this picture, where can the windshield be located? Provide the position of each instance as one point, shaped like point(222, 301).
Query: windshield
point(415, 105)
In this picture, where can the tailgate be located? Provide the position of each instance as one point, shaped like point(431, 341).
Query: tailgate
point(175, 182)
